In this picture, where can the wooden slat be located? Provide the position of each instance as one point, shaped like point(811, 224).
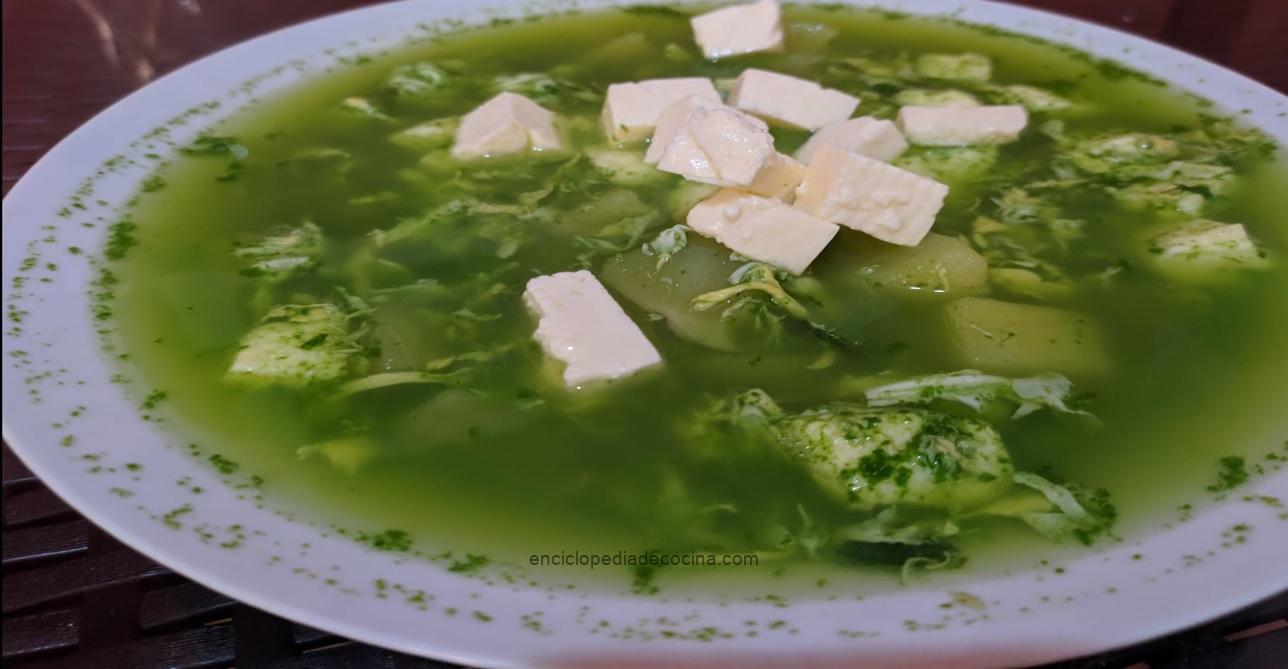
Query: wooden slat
point(310, 637)
point(75, 576)
point(35, 505)
point(1257, 630)
point(40, 633)
point(1180, 649)
point(109, 614)
point(12, 471)
point(323, 649)
point(186, 602)
point(44, 542)
point(1269, 610)
point(1266, 651)
point(198, 648)
point(263, 640)
point(357, 656)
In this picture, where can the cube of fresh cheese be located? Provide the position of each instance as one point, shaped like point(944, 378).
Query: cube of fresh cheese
point(870, 196)
point(762, 229)
point(722, 147)
point(508, 123)
point(631, 110)
point(580, 325)
point(789, 101)
point(670, 120)
point(739, 29)
point(962, 126)
point(778, 178)
point(1201, 251)
point(866, 136)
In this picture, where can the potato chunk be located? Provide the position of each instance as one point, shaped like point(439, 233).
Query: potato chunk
point(667, 290)
point(939, 266)
point(1010, 338)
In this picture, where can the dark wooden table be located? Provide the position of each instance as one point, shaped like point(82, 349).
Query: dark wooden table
point(75, 597)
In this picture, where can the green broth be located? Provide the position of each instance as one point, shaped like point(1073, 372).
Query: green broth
point(531, 469)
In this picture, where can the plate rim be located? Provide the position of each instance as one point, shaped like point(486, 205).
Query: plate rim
point(175, 560)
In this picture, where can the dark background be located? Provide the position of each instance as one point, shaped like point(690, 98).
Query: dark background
point(75, 597)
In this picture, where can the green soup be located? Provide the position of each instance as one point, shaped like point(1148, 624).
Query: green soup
point(330, 232)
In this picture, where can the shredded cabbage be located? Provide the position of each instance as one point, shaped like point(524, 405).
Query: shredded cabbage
point(667, 243)
point(975, 389)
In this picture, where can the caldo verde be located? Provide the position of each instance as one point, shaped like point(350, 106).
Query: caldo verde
point(329, 288)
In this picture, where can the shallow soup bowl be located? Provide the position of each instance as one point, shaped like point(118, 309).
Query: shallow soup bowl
point(79, 420)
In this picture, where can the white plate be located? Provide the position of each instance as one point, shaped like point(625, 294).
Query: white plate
point(53, 365)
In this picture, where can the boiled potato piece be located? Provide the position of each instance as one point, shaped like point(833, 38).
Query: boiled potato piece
point(346, 454)
point(1009, 338)
point(456, 416)
point(703, 266)
point(604, 210)
point(686, 196)
point(939, 267)
point(1020, 281)
point(625, 51)
point(625, 166)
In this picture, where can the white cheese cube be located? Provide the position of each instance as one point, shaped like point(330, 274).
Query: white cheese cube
point(1201, 251)
point(962, 126)
point(870, 196)
point(739, 29)
point(762, 229)
point(631, 109)
point(789, 101)
point(778, 178)
point(508, 123)
point(669, 121)
point(722, 147)
point(866, 136)
point(580, 325)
